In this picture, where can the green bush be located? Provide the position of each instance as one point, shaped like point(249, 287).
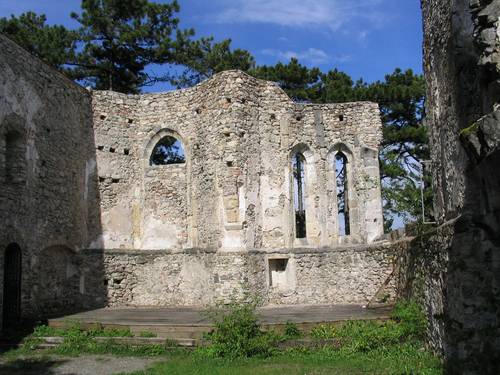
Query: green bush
point(237, 333)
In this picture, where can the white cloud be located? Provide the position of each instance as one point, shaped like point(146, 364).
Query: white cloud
point(312, 55)
point(330, 14)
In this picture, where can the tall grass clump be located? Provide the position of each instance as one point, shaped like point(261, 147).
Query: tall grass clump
point(407, 325)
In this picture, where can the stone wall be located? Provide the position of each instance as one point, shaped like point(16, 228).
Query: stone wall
point(461, 52)
point(235, 189)
point(47, 176)
point(347, 274)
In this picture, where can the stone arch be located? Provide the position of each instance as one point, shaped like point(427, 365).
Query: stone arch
point(305, 192)
point(12, 277)
point(342, 203)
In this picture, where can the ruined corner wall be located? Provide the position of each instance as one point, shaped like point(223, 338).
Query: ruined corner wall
point(462, 293)
point(235, 190)
point(48, 195)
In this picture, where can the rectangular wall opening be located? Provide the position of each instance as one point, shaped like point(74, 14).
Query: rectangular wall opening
point(278, 272)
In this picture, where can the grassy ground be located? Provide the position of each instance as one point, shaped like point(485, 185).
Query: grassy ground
point(402, 360)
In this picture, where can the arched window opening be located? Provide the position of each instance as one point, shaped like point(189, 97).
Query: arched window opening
point(14, 158)
point(298, 164)
point(168, 150)
point(342, 193)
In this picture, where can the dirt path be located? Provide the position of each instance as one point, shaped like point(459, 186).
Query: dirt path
point(82, 365)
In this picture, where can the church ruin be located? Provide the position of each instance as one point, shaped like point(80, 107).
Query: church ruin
point(220, 191)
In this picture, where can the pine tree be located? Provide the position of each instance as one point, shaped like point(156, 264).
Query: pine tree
point(301, 83)
point(121, 38)
point(203, 58)
point(53, 44)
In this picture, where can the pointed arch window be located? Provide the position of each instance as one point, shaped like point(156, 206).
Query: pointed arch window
point(299, 186)
point(342, 183)
point(168, 150)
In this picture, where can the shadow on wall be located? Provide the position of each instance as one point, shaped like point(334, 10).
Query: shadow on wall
point(65, 280)
point(41, 282)
point(473, 278)
point(49, 196)
point(455, 271)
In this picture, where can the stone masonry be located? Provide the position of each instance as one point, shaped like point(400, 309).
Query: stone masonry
point(234, 191)
point(456, 269)
point(98, 225)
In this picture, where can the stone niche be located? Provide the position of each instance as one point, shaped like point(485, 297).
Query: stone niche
point(281, 273)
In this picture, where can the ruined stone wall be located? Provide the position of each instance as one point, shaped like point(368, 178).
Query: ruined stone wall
point(48, 194)
point(461, 52)
point(195, 277)
point(235, 189)
point(98, 225)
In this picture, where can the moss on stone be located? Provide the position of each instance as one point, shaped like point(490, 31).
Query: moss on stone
point(466, 132)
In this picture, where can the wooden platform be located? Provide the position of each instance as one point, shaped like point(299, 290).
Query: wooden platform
point(191, 323)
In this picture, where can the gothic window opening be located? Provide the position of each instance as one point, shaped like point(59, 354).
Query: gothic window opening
point(14, 158)
point(168, 150)
point(298, 164)
point(342, 193)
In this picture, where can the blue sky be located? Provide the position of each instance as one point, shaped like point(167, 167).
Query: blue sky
point(365, 38)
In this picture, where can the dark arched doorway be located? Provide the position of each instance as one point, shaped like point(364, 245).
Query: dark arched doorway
point(12, 285)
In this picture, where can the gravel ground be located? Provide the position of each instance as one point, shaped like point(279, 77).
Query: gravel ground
point(82, 365)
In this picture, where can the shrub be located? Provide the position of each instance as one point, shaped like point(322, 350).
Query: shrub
point(237, 333)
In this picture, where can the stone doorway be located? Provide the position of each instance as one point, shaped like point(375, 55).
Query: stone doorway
point(12, 285)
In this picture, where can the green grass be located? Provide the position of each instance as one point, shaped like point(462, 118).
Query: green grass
point(79, 341)
point(76, 330)
point(147, 334)
point(405, 359)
